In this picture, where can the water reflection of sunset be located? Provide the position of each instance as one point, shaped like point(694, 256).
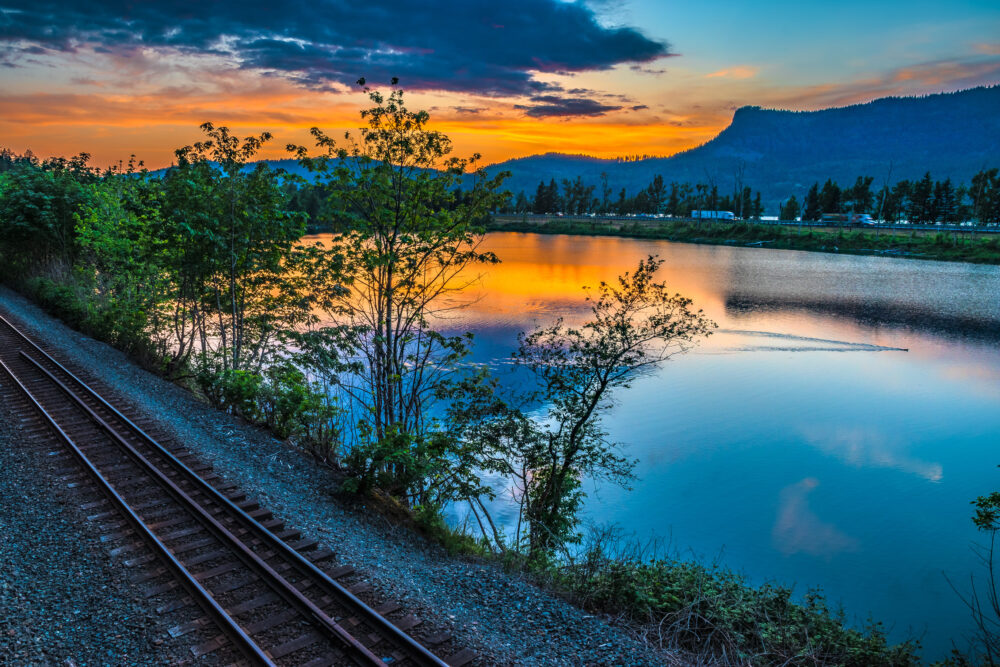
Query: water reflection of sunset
point(800, 296)
point(534, 277)
point(542, 277)
point(802, 407)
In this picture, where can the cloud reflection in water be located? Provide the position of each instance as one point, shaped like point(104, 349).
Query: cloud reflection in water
point(865, 447)
point(798, 529)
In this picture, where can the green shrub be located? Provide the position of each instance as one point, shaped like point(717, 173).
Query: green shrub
point(281, 398)
point(292, 407)
point(233, 391)
point(715, 613)
point(60, 299)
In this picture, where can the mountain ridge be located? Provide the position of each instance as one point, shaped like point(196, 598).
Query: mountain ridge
point(782, 152)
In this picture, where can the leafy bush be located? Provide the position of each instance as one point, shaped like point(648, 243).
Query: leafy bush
point(281, 398)
point(61, 299)
point(392, 463)
point(293, 407)
point(233, 391)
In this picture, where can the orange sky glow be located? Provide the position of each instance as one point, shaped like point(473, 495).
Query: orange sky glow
point(674, 85)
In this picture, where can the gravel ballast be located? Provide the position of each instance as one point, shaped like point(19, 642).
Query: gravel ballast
point(63, 600)
point(506, 619)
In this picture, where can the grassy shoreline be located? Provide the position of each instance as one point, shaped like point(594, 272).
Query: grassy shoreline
point(942, 246)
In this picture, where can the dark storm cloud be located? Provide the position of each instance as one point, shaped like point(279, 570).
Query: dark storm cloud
point(457, 45)
point(552, 105)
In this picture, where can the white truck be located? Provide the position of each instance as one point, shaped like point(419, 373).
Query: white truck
point(713, 215)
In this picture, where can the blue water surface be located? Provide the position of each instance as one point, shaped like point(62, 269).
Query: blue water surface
point(831, 434)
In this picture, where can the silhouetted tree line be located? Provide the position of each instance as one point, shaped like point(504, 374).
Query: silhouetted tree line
point(634, 158)
point(676, 199)
point(918, 201)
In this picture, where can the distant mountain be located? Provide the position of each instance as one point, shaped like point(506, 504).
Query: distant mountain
point(783, 152)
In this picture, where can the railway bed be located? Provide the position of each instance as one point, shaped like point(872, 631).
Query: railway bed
point(239, 583)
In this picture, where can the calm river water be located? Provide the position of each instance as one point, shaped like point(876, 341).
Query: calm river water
point(801, 443)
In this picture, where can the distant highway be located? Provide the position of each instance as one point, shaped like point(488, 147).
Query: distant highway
point(650, 221)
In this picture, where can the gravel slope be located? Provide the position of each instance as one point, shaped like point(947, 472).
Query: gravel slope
point(506, 619)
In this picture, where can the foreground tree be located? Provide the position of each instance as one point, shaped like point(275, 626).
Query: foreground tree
point(230, 247)
point(39, 205)
point(121, 264)
point(410, 233)
point(983, 597)
point(635, 325)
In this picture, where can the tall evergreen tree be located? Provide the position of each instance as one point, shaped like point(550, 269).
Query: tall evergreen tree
point(539, 203)
point(920, 209)
point(790, 209)
point(812, 210)
point(860, 195)
point(745, 203)
point(985, 195)
point(830, 198)
point(674, 202)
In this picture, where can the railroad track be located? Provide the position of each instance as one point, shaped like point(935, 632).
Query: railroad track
point(250, 590)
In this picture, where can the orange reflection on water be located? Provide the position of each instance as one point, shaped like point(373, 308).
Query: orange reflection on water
point(807, 297)
point(541, 274)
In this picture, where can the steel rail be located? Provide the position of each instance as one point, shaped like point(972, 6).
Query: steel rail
point(417, 652)
point(243, 642)
point(272, 578)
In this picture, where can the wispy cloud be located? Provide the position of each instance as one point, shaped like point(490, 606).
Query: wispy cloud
point(988, 49)
point(737, 72)
point(942, 75)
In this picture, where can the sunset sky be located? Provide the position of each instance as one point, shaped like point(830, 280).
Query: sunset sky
point(506, 79)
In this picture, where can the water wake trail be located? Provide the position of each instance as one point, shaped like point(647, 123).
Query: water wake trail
point(818, 344)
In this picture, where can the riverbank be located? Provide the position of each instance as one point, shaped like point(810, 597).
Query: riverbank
point(948, 247)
